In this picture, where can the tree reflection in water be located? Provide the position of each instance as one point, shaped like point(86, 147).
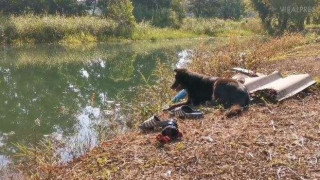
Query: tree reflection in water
point(66, 88)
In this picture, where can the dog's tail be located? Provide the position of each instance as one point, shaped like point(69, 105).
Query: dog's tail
point(234, 111)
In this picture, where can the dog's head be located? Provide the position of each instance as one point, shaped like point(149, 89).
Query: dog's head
point(180, 79)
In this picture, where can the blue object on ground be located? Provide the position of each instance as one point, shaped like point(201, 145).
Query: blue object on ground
point(181, 95)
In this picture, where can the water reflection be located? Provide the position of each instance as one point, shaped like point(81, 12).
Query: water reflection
point(185, 59)
point(66, 89)
point(3, 161)
point(84, 138)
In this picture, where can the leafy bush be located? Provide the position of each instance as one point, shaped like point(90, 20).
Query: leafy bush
point(165, 18)
point(10, 32)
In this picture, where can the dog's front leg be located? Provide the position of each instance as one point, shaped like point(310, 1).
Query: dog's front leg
point(178, 105)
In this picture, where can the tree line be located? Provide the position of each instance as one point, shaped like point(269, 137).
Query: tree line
point(144, 9)
point(277, 16)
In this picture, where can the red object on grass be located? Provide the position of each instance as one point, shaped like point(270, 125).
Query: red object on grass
point(167, 139)
point(163, 139)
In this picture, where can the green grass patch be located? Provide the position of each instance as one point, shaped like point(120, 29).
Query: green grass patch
point(144, 31)
point(49, 29)
point(317, 79)
point(223, 28)
point(31, 29)
point(79, 39)
point(313, 26)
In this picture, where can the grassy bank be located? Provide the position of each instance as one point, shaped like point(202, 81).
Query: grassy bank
point(80, 30)
point(48, 29)
point(223, 28)
point(215, 61)
point(268, 141)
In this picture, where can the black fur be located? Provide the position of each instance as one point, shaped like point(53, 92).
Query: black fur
point(202, 88)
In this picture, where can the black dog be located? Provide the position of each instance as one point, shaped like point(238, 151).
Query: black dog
point(201, 88)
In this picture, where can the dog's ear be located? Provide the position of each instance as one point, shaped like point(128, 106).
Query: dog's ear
point(180, 70)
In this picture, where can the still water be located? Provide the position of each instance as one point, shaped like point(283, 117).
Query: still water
point(58, 91)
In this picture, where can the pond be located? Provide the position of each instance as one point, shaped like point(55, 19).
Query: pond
point(58, 91)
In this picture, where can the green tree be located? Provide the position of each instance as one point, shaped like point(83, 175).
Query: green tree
point(286, 15)
point(316, 15)
point(103, 5)
point(226, 9)
point(179, 7)
point(161, 13)
point(204, 8)
point(65, 7)
point(122, 12)
point(11, 7)
point(232, 9)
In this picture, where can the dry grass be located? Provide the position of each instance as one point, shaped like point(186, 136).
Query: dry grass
point(304, 59)
point(210, 60)
point(269, 141)
point(35, 161)
point(218, 60)
point(151, 98)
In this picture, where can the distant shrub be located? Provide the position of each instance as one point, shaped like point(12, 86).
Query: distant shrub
point(166, 18)
point(145, 31)
point(10, 32)
point(200, 25)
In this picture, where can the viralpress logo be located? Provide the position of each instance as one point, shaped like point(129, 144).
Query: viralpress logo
point(297, 9)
